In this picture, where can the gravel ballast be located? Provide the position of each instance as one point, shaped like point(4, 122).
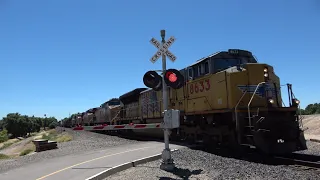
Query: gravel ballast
point(197, 164)
point(313, 148)
point(83, 141)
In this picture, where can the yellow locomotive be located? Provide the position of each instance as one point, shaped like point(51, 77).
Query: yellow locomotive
point(226, 98)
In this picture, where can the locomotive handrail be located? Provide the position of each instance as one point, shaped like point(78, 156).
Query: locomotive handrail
point(260, 120)
point(249, 114)
point(113, 119)
point(235, 109)
point(91, 119)
point(300, 117)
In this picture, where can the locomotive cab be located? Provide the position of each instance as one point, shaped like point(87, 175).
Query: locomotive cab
point(130, 111)
point(266, 122)
point(89, 117)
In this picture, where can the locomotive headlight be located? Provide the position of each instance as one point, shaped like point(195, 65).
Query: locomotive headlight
point(271, 101)
point(266, 73)
point(295, 102)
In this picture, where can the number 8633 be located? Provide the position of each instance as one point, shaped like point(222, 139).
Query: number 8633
point(199, 86)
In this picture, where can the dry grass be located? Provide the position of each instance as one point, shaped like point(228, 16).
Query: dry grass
point(26, 151)
point(21, 149)
point(15, 147)
point(40, 134)
point(28, 148)
point(312, 123)
point(8, 143)
point(64, 138)
point(53, 135)
point(3, 156)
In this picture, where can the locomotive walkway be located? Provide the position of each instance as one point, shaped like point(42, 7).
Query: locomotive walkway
point(85, 165)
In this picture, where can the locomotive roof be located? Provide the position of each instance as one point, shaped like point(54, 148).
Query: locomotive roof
point(111, 101)
point(132, 94)
point(92, 110)
point(231, 53)
point(204, 58)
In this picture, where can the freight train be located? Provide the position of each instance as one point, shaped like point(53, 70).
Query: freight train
point(228, 98)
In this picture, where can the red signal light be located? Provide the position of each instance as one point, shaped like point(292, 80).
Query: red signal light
point(168, 73)
point(173, 77)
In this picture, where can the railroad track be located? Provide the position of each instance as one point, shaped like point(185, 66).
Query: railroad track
point(300, 161)
point(294, 160)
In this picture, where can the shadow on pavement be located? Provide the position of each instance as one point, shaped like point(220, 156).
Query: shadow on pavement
point(182, 173)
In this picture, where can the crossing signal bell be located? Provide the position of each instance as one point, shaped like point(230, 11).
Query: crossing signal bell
point(152, 80)
point(174, 78)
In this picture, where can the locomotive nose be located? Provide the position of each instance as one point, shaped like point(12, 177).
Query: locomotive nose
point(278, 134)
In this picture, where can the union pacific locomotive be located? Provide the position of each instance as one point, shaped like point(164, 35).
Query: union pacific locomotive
point(227, 98)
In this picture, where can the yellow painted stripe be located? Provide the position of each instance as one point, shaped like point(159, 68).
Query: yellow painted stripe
point(69, 167)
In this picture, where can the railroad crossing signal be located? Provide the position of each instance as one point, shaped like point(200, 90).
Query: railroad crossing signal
point(155, 81)
point(173, 78)
point(163, 49)
point(152, 80)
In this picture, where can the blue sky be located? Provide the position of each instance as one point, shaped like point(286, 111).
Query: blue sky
point(60, 57)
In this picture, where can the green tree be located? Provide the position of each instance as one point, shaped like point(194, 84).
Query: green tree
point(3, 135)
point(311, 109)
point(21, 125)
point(12, 124)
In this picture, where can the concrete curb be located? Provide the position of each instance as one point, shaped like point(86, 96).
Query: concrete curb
point(124, 166)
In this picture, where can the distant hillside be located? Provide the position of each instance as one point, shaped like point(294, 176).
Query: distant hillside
point(312, 122)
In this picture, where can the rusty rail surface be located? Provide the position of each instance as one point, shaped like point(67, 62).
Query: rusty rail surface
point(300, 160)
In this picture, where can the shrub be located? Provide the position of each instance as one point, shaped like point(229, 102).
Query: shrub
point(3, 156)
point(64, 138)
point(53, 125)
point(3, 136)
point(25, 152)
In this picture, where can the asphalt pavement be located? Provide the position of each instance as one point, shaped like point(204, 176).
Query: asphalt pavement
point(85, 165)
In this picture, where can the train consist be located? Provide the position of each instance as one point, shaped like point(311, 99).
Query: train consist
point(227, 98)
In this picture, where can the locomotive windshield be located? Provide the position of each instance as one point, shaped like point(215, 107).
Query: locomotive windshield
point(220, 61)
point(222, 64)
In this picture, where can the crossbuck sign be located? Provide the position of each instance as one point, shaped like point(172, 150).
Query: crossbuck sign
point(163, 49)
